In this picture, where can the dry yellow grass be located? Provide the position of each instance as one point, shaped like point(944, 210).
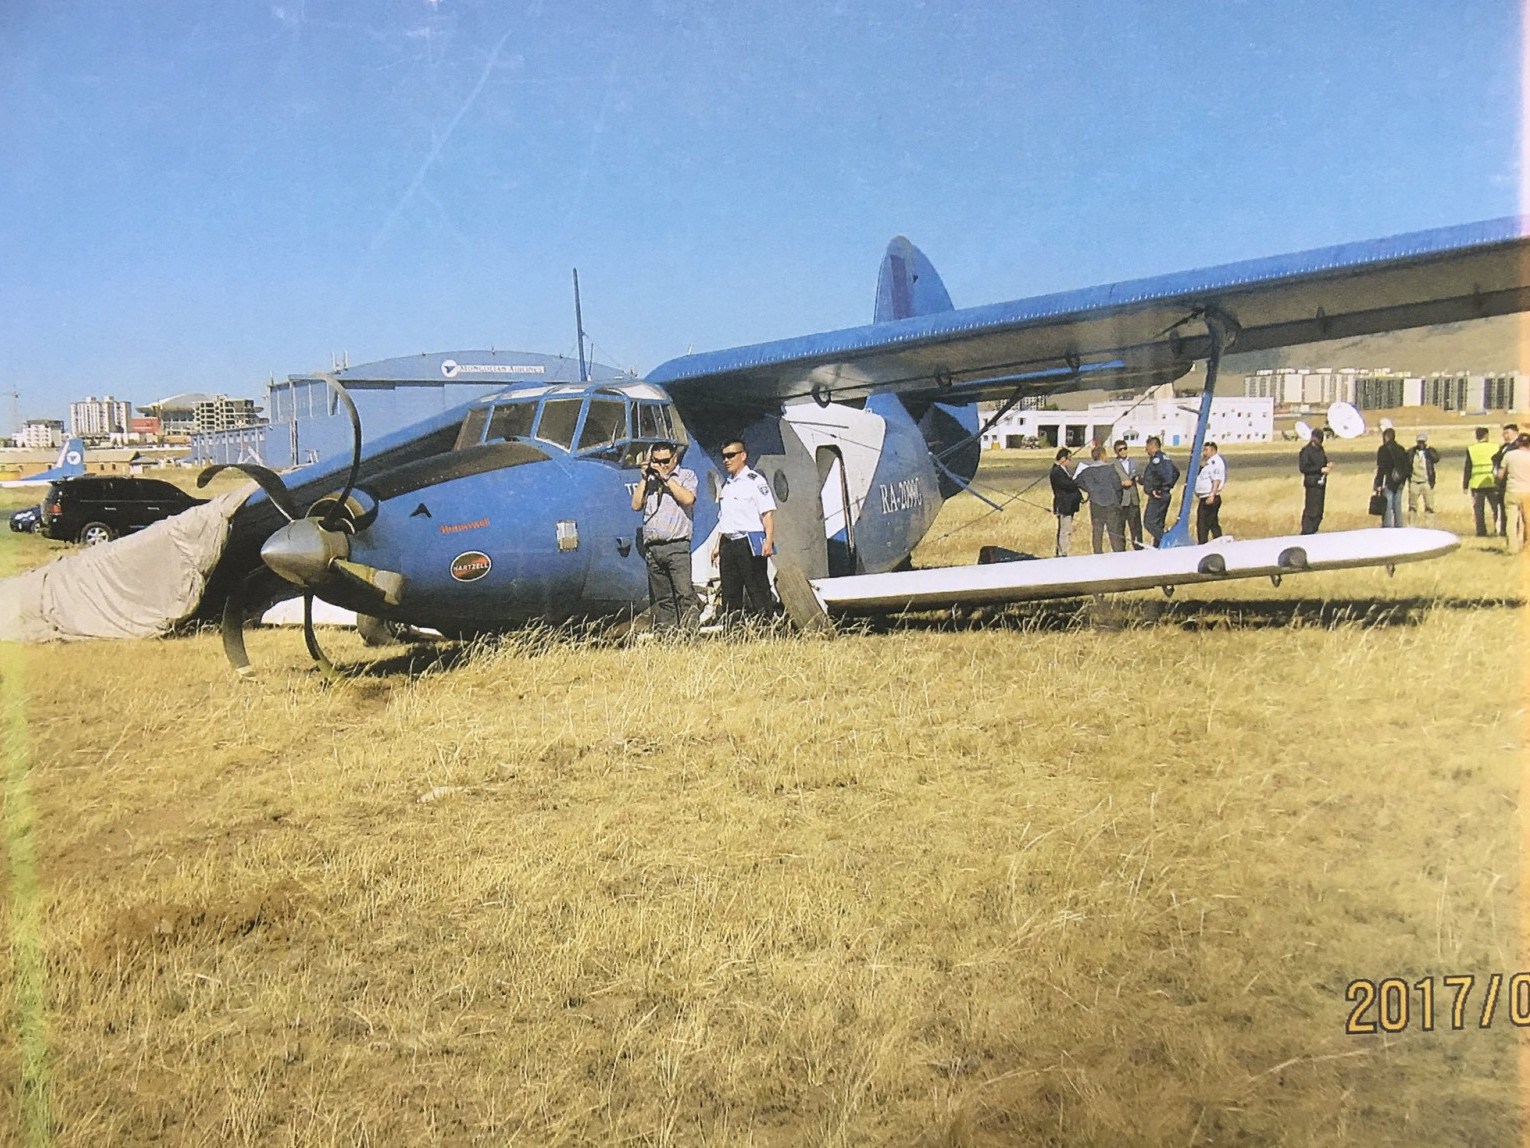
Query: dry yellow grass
point(1090, 875)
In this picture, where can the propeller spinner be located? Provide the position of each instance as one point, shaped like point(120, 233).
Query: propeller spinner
point(310, 550)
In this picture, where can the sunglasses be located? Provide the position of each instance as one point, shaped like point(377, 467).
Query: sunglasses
point(663, 461)
point(732, 453)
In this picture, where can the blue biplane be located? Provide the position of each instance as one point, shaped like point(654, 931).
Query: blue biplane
point(515, 508)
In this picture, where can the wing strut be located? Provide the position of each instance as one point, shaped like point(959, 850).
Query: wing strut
point(940, 459)
point(1222, 330)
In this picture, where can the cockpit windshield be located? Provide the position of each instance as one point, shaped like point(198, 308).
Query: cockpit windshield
point(605, 424)
point(559, 419)
point(618, 424)
point(511, 420)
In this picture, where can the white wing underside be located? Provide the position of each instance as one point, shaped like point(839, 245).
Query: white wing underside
point(1217, 561)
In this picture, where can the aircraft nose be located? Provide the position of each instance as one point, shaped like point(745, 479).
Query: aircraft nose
point(302, 551)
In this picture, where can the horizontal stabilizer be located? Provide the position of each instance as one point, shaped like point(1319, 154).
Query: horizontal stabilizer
point(1217, 561)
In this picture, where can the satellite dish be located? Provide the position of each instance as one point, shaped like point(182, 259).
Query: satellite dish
point(1346, 420)
point(1303, 430)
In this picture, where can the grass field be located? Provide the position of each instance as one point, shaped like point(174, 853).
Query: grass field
point(1061, 874)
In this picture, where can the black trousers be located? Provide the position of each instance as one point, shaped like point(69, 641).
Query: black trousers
point(1206, 519)
point(1131, 516)
point(1485, 502)
point(1312, 509)
point(742, 574)
point(675, 605)
point(1153, 516)
point(1106, 521)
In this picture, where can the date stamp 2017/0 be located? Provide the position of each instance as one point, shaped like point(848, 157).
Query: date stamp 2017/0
point(1388, 1005)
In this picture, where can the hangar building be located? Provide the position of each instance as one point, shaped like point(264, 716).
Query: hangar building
point(306, 422)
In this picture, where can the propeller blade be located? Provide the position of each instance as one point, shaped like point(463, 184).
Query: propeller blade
point(326, 667)
point(344, 397)
point(233, 629)
point(270, 482)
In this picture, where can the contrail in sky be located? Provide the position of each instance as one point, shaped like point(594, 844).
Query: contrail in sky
point(430, 159)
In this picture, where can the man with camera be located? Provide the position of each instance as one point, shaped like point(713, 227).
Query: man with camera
point(667, 497)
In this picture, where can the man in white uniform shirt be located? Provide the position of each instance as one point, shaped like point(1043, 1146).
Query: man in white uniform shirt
point(1208, 489)
point(746, 524)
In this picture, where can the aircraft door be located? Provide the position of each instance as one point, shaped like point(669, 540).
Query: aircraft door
point(834, 497)
point(794, 481)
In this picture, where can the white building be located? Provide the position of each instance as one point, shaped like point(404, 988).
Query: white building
point(1464, 392)
point(91, 417)
point(1315, 388)
point(41, 434)
point(220, 413)
point(1171, 419)
point(197, 412)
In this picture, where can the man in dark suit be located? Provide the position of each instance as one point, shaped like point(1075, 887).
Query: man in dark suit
point(1131, 502)
point(1315, 467)
point(1066, 499)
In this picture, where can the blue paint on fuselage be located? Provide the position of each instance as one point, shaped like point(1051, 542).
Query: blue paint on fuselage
point(512, 516)
point(904, 496)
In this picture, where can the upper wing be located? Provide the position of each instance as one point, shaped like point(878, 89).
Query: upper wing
point(1133, 333)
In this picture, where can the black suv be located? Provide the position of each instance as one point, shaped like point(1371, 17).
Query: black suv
point(95, 508)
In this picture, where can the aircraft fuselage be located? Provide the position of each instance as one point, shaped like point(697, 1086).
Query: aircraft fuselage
point(528, 517)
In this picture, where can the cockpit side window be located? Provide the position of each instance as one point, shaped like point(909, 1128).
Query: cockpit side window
point(652, 422)
point(472, 428)
point(656, 424)
point(512, 420)
point(559, 418)
point(604, 425)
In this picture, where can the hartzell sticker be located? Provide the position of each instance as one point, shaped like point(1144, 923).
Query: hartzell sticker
point(471, 566)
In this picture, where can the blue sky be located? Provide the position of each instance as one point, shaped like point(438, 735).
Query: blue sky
point(195, 195)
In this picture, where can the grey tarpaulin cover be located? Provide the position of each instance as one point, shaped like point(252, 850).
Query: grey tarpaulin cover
point(139, 586)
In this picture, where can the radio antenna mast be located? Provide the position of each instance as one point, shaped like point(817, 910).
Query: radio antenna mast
point(584, 373)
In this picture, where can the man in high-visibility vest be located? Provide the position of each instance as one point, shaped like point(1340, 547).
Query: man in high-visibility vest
point(1478, 480)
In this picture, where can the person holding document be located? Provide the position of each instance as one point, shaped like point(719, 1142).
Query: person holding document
point(746, 519)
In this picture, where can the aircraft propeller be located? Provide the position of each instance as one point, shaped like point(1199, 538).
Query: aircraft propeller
point(311, 549)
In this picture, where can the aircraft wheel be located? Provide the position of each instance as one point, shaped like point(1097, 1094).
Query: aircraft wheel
point(375, 631)
point(95, 533)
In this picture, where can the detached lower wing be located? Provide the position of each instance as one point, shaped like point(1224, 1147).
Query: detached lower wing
point(1040, 578)
point(1134, 333)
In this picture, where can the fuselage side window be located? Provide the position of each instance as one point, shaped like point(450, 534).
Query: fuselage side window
point(512, 420)
point(472, 428)
point(559, 419)
point(604, 425)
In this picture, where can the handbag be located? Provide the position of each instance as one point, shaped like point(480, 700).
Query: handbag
point(1378, 504)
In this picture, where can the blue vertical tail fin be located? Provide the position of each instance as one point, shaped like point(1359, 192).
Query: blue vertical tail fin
point(70, 460)
point(908, 284)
